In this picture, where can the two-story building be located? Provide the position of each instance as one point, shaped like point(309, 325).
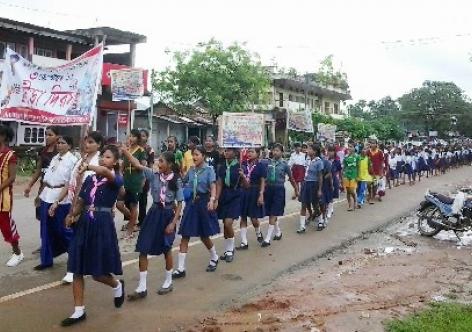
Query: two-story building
point(49, 47)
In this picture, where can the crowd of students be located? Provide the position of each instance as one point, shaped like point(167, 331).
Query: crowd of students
point(80, 195)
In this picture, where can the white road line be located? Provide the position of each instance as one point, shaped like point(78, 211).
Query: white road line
point(54, 284)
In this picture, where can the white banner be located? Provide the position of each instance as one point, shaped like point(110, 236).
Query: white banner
point(326, 132)
point(299, 120)
point(63, 95)
point(241, 130)
point(127, 84)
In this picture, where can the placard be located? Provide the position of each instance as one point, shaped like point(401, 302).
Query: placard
point(299, 120)
point(126, 84)
point(239, 130)
point(326, 132)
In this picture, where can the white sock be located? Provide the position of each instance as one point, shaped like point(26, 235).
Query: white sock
point(213, 255)
point(302, 222)
point(168, 280)
point(142, 286)
point(118, 290)
point(269, 233)
point(278, 231)
point(229, 246)
point(243, 235)
point(181, 264)
point(258, 231)
point(78, 312)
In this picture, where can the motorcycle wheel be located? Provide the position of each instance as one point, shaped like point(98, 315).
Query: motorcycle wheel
point(423, 227)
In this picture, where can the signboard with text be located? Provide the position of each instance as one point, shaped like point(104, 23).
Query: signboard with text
point(299, 120)
point(126, 84)
point(326, 132)
point(240, 130)
point(62, 95)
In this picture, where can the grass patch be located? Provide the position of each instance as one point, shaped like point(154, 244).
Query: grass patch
point(440, 317)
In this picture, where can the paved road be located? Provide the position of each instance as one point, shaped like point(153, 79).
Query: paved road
point(41, 302)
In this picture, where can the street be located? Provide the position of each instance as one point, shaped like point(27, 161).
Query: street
point(36, 301)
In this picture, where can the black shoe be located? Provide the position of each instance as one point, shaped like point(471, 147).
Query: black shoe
point(278, 238)
point(72, 321)
point(227, 258)
point(212, 267)
point(243, 246)
point(301, 230)
point(260, 238)
point(119, 300)
point(265, 244)
point(137, 296)
point(178, 274)
point(164, 291)
point(321, 226)
point(42, 267)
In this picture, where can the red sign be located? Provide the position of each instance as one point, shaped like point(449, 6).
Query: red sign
point(123, 120)
point(106, 79)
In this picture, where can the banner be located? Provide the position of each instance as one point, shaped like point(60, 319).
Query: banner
point(326, 132)
point(299, 120)
point(126, 84)
point(62, 95)
point(239, 130)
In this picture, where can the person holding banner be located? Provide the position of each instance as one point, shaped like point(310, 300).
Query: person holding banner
point(55, 204)
point(297, 163)
point(8, 176)
point(277, 172)
point(92, 145)
point(158, 231)
point(311, 188)
point(228, 194)
point(252, 196)
point(199, 217)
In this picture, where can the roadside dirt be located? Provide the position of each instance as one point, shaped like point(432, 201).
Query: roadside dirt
point(385, 275)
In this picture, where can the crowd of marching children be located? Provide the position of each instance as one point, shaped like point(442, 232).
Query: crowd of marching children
point(80, 195)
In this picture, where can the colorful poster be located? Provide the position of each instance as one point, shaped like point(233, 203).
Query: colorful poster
point(126, 84)
point(300, 120)
point(62, 95)
point(239, 130)
point(326, 132)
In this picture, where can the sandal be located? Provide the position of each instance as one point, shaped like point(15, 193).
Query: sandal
point(178, 274)
point(212, 267)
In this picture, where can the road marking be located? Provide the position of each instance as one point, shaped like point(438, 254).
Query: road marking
point(54, 284)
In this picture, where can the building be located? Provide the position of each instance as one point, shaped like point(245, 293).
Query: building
point(50, 47)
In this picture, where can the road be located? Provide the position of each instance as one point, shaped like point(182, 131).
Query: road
point(36, 301)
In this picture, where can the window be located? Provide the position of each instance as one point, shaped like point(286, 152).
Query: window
point(336, 108)
point(43, 52)
point(326, 107)
point(34, 135)
point(290, 98)
point(281, 99)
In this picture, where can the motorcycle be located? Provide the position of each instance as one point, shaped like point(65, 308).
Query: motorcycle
point(443, 213)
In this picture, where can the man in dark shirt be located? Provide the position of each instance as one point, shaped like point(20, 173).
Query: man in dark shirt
point(212, 156)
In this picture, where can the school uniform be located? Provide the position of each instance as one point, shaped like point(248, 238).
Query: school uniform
point(309, 188)
point(55, 237)
point(274, 196)
point(94, 249)
point(249, 196)
point(336, 169)
point(197, 221)
point(393, 164)
point(327, 190)
point(408, 165)
point(297, 164)
point(152, 239)
point(229, 202)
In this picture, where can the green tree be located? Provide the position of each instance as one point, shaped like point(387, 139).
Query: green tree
point(358, 110)
point(432, 106)
point(223, 79)
point(328, 75)
point(385, 107)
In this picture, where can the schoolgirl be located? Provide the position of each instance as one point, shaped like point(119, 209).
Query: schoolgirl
point(228, 194)
point(401, 165)
point(297, 164)
point(252, 196)
point(423, 163)
point(199, 217)
point(336, 175)
point(158, 230)
point(311, 188)
point(409, 167)
point(94, 249)
point(327, 192)
point(274, 199)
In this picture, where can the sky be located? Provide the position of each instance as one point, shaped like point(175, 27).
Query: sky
point(385, 47)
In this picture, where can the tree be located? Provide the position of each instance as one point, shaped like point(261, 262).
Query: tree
point(432, 106)
point(327, 75)
point(223, 79)
point(385, 107)
point(358, 110)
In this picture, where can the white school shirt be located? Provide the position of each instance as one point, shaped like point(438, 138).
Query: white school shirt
point(392, 162)
point(57, 174)
point(95, 161)
point(297, 159)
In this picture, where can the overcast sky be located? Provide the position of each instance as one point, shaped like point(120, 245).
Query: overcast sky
point(385, 47)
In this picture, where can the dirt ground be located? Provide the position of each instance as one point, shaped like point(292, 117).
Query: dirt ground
point(385, 275)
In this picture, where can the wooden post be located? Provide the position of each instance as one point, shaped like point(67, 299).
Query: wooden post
point(30, 48)
point(69, 52)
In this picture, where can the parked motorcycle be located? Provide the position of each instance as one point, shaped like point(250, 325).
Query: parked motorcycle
point(443, 213)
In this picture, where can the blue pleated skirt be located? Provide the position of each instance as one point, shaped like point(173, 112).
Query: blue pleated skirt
point(309, 193)
point(229, 204)
point(327, 195)
point(197, 221)
point(249, 206)
point(152, 239)
point(94, 249)
point(274, 200)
